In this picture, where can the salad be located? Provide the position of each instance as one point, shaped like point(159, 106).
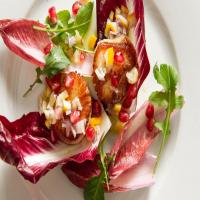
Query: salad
point(91, 78)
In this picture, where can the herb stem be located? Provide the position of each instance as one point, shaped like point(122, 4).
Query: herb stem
point(165, 132)
point(31, 87)
point(60, 30)
point(85, 50)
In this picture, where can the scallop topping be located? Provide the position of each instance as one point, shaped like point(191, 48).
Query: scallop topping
point(116, 73)
point(67, 106)
point(119, 22)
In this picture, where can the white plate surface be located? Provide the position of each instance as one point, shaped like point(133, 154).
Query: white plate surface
point(173, 37)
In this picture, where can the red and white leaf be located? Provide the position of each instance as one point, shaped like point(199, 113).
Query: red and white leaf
point(133, 142)
point(137, 177)
point(27, 144)
point(4, 22)
point(22, 39)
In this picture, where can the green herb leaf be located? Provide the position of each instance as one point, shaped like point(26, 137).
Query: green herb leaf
point(56, 61)
point(94, 189)
point(84, 15)
point(37, 81)
point(63, 18)
point(103, 166)
point(167, 77)
point(159, 98)
point(179, 102)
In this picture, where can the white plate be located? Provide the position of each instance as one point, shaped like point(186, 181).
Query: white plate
point(173, 36)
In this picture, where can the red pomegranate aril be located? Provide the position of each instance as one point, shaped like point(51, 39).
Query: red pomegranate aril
point(150, 124)
point(69, 82)
point(119, 57)
point(54, 83)
point(127, 102)
point(52, 15)
point(48, 48)
point(132, 91)
point(114, 80)
point(123, 116)
point(82, 56)
point(96, 108)
point(75, 7)
point(150, 111)
point(75, 116)
point(90, 133)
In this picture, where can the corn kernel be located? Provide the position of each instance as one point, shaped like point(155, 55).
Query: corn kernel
point(124, 9)
point(92, 42)
point(48, 123)
point(122, 20)
point(111, 26)
point(95, 121)
point(111, 16)
point(117, 11)
point(117, 107)
point(132, 20)
point(109, 57)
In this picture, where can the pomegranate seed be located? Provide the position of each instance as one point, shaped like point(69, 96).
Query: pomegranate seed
point(75, 7)
point(127, 102)
point(114, 80)
point(96, 108)
point(52, 15)
point(48, 48)
point(90, 133)
point(54, 83)
point(69, 82)
point(82, 56)
point(75, 116)
point(150, 124)
point(132, 91)
point(150, 111)
point(119, 57)
point(123, 116)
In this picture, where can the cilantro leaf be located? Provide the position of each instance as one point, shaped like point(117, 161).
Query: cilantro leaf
point(167, 77)
point(63, 18)
point(159, 98)
point(94, 189)
point(84, 15)
point(179, 102)
point(81, 22)
point(56, 61)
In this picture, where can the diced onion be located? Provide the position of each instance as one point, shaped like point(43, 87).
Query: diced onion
point(101, 72)
point(132, 76)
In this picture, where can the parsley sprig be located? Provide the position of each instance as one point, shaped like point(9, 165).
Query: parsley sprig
point(55, 61)
point(67, 24)
point(167, 77)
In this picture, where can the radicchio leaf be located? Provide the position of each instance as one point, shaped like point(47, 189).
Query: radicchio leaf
point(22, 39)
point(134, 141)
point(27, 144)
point(139, 176)
point(133, 166)
point(4, 22)
point(104, 7)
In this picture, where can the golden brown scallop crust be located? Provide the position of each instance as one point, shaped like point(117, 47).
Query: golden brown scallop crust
point(108, 94)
